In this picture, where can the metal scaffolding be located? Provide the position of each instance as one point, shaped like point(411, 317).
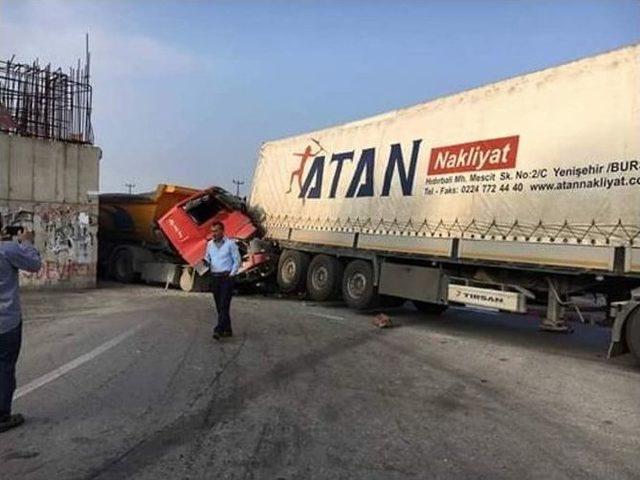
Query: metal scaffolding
point(38, 101)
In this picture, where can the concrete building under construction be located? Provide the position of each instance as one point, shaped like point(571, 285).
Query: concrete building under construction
point(49, 169)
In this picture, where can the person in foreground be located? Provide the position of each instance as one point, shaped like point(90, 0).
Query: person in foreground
point(14, 256)
point(223, 258)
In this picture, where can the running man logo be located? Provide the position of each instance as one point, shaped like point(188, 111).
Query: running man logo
point(360, 173)
point(306, 155)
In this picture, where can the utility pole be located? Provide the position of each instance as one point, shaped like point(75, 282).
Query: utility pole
point(237, 183)
point(130, 186)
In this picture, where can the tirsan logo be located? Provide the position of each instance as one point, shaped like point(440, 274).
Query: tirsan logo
point(494, 154)
point(360, 180)
point(470, 296)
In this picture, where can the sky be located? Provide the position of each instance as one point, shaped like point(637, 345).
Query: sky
point(185, 92)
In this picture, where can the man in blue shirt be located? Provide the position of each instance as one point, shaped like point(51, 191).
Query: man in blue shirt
point(224, 260)
point(14, 256)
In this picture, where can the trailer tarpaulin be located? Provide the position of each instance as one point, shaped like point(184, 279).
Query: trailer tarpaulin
point(552, 156)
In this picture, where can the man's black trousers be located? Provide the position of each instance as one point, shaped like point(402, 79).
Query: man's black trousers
point(222, 289)
point(10, 343)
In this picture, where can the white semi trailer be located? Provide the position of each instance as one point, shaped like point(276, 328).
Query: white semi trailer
point(523, 189)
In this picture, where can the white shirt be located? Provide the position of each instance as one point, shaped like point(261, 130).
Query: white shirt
point(223, 256)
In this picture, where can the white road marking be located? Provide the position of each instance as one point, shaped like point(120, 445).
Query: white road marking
point(67, 367)
point(324, 315)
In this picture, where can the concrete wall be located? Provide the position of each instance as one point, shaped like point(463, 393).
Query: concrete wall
point(52, 187)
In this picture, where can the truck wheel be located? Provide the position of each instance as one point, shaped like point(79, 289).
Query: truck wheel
point(632, 332)
point(292, 271)
point(324, 278)
point(122, 266)
point(430, 308)
point(358, 290)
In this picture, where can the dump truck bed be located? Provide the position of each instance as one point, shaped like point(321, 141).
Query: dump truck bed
point(133, 217)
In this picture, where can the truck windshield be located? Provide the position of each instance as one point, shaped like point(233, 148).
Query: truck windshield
point(202, 208)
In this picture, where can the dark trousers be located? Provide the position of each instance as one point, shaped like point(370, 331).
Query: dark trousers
point(10, 343)
point(222, 289)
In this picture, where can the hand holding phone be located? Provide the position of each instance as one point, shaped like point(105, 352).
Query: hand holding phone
point(26, 236)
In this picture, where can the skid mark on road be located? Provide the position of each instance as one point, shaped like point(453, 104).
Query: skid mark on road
point(186, 428)
point(507, 411)
point(183, 430)
point(327, 316)
point(73, 364)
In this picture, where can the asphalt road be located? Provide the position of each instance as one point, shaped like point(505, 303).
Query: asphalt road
point(127, 383)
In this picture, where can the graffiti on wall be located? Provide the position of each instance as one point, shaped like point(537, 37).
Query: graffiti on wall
point(54, 271)
point(68, 234)
point(19, 217)
point(65, 236)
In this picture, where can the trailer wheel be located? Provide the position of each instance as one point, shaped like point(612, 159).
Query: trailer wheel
point(632, 332)
point(324, 277)
point(121, 266)
point(292, 271)
point(358, 290)
point(430, 308)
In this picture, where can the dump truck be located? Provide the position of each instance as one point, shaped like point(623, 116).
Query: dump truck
point(519, 192)
point(132, 247)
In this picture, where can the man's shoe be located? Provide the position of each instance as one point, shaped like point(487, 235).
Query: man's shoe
point(216, 335)
point(12, 421)
point(226, 334)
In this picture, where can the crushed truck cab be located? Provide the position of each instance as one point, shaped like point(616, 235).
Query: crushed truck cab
point(187, 226)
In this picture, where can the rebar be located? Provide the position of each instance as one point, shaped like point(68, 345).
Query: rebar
point(46, 103)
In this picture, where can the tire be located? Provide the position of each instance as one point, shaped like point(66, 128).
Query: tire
point(632, 333)
point(292, 271)
point(358, 290)
point(121, 266)
point(430, 308)
point(324, 278)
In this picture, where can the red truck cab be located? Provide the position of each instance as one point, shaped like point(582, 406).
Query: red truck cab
point(187, 226)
